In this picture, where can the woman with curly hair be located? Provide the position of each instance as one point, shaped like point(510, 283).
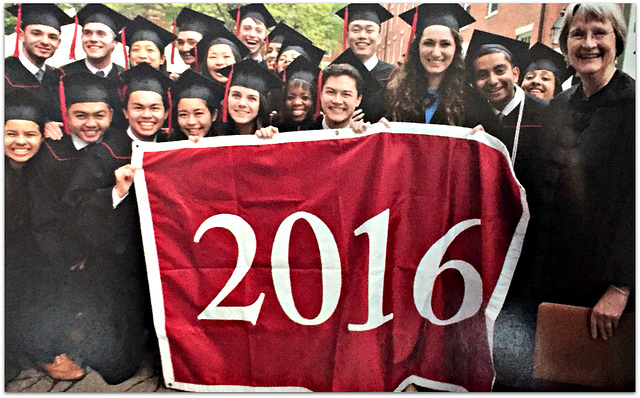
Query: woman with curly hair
point(431, 86)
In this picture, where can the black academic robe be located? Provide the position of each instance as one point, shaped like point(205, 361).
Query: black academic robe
point(15, 74)
point(113, 238)
point(383, 72)
point(529, 132)
point(583, 197)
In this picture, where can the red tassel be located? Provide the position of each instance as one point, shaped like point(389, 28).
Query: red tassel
point(225, 101)
point(63, 106)
point(124, 49)
point(16, 52)
point(284, 74)
point(413, 30)
point(237, 21)
point(344, 28)
point(72, 51)
point(195, 53)
point(318, 92)
point(170, 112)
point(173, 43)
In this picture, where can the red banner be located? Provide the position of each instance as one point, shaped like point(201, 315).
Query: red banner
point(327, 261)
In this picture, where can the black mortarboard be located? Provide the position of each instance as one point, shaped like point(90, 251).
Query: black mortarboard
point(193, 20)
point(365, 11)
point(40, 14)
point(281, 31)
point(249, 73)
point(304, 47)
point(193, 85)
point(302, 68)
point(21, 104)
point(144, 77)
point(219, 34)
point(451, 15)
point(481, 41)
point(87, 87)
point(545, 58)
point(97, 12)
point(256, 11)
point(371, 85)
point(142, 29)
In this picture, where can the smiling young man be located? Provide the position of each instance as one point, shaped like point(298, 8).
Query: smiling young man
point(252, 22)
point(364, 27)
point(39, 33)
point(192, 26)
point(346, 86)
point(100, 33)
point(495, 62)
point(107, 221)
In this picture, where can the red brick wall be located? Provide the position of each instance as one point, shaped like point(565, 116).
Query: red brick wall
point(510, 16)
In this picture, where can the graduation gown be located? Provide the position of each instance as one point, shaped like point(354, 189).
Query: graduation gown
point(582, 233)
point(114, 245)
point(383, 72)
point(17, 75)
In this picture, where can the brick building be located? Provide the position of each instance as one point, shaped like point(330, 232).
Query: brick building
point(530, 22)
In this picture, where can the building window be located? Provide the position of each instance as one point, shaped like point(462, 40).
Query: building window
point(492, 9)
point(523, 33)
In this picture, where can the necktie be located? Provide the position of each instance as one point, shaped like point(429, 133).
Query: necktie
point(100, 73)
point(39, 75)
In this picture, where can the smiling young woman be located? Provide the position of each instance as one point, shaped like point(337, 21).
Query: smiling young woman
point(430, 87)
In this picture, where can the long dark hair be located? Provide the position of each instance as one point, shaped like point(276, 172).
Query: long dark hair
point(409, 89)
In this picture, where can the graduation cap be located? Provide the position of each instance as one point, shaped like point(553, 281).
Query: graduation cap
point(370, 84)
point(256, 11)
point(482, 41)
point(144, 77)
point(302, 69)
point(218, 34)
point(250, 74)
point(37, 14)
point(193, 20)
point(97, 12)
point(86, 87)
point(451, 15)
point(282, 31)
point(364, 11)
point(142, 29)
point(304, 47)
point(21, 104)
point(545, 58)
point(191, 84)
point(361, 11)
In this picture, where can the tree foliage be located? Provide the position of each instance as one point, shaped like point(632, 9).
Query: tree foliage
point(317, 21)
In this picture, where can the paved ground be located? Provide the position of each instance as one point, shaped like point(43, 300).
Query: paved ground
point(148, 379)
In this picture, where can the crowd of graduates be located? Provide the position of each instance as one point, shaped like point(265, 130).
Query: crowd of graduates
point(76, 289)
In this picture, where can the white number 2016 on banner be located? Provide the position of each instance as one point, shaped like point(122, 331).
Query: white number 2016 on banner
point(377, 231)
